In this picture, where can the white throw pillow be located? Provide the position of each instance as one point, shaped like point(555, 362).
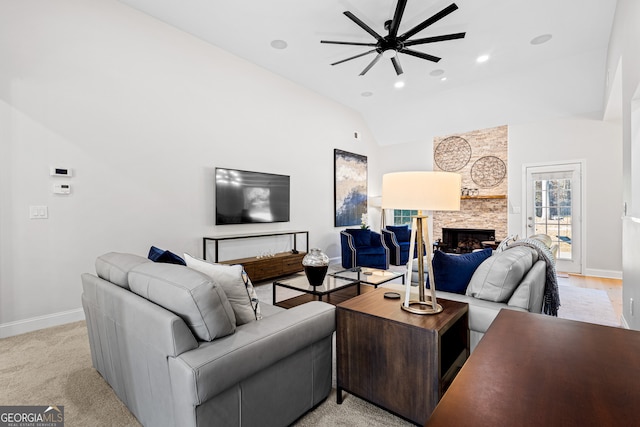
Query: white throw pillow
point(235, 283)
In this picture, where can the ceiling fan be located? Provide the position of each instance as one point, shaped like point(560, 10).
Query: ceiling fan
point(392, 44)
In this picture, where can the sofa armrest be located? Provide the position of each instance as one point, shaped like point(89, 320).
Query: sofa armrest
point(215, 366)
point(107, 306)
point(390, 239)
point(376, 240)
point(348, 250)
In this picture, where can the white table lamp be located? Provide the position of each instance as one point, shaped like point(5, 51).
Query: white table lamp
point(421, 191)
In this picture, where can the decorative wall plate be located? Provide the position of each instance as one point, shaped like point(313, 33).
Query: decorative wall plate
point(452, 154)
point(488, 171)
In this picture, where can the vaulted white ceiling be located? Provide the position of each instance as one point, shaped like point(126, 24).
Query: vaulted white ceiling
point(520, 82)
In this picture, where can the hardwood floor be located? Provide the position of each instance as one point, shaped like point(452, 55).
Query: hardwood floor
point(613, 287)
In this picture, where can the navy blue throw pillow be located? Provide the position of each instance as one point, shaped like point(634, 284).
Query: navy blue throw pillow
point(402, 232)
point(453, 272)
point(160, 255)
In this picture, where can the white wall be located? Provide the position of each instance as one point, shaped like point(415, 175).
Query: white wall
point(595, 141)
point(143, 113)
point(623, 52)
point(598, 144)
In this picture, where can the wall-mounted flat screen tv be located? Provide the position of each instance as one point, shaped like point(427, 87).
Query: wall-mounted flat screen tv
point(244, 197)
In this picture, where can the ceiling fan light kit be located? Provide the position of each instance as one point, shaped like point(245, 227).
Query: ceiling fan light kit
point(392, 44)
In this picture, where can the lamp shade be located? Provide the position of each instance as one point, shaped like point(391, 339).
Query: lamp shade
point(431, 191)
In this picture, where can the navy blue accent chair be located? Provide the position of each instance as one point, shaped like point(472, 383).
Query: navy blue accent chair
point(363, 248)
point(398, 239)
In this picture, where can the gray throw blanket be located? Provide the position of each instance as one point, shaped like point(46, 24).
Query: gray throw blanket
point(551, 299)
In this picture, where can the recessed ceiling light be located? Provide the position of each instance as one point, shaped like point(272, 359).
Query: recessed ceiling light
point(437, 72)
point(482, 58)
point(443, 79)
point(279, 44)
point(366, 94)
point(399, 84)
point(541, 39)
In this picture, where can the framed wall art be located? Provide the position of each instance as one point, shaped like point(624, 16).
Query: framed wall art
point(350, 187)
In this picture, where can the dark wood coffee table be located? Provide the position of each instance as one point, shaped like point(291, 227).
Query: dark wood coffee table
point(400, 361)
point(537, 370)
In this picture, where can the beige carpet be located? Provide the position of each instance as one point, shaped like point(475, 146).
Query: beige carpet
point(53, 367)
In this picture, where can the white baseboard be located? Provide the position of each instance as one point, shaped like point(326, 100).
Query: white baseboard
point(33, 324)
point(607, 274)
point(624, 323)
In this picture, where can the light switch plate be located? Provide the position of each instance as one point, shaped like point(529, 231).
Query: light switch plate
point(38, 212)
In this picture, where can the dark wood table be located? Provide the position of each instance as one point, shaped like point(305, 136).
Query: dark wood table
point(400, 361)
point(537, 370)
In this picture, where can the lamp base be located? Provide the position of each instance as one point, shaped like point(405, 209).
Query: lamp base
point(422, 307)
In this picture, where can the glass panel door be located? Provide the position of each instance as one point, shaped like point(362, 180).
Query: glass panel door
point(553, 208)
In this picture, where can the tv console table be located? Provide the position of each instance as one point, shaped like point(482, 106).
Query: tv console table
point(264, 268)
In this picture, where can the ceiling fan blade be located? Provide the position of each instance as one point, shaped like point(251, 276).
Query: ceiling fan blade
point(362, 25)
point(396, 65)
point(354, 57)
point(420, 55)
point(435, 39)
point(347, 43)
point(397, 17)
point(435, 18)
point(371, 64)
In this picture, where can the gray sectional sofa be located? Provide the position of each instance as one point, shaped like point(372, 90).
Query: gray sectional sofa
point(199, 367)
point(515, 277)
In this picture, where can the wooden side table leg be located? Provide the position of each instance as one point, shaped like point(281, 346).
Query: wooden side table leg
point(339, 398)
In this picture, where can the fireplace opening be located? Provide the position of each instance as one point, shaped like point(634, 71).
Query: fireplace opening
point(464, 240)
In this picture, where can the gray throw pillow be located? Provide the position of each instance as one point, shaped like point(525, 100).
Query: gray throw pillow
point(230, 277)
point(193, 296)
point(498, 276)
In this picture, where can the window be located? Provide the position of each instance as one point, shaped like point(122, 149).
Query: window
point(553, 213)
point(403, 216)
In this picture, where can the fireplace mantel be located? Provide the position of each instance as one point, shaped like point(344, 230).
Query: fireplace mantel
point(502, 196)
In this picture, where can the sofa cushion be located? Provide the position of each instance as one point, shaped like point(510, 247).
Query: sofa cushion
point(114, 267)
point(361, 237)
point(453, 272)
point(193, 296)
point(161, 255)
point(241, 295)
point(497, 277)
point(402, 232)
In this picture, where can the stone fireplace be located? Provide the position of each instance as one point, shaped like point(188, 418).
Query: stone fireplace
point(480, 157)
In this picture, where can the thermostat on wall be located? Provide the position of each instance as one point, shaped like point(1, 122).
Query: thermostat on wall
point(54, 171)
point(61, 188)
